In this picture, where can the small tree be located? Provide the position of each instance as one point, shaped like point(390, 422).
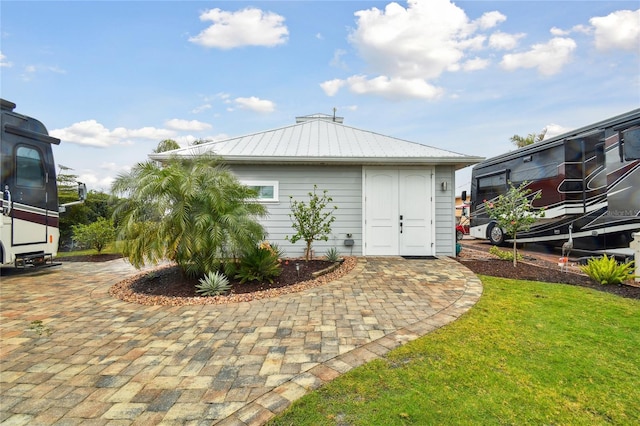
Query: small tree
point(311, 221)
point(95, 235)
point(514, 211)
point(166, 145)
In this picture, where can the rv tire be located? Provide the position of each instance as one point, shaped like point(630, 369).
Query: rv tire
point(495, 234)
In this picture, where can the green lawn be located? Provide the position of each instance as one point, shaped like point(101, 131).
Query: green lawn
point(527, 353)
point(109, 249)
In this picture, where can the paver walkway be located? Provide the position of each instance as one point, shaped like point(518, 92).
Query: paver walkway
point(71, 354)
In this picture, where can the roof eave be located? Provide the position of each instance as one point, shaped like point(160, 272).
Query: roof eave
point(457, 162)
point(405, 161)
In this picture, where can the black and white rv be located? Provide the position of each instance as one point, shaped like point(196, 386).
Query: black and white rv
point(588, 178)
point(29, 229)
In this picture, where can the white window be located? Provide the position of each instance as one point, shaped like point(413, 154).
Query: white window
point(267, 189)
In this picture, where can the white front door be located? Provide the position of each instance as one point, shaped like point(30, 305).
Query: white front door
point(398, 212)
point(381, 212)
point(415, 213)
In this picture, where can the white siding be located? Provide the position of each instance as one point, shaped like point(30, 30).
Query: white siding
point(344, 185)
point(445, 211)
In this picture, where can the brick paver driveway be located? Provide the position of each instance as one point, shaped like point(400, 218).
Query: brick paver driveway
point(70, 353)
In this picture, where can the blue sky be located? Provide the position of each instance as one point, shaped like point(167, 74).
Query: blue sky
point(113, 78)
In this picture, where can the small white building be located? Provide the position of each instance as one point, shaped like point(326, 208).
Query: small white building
point(394, 197)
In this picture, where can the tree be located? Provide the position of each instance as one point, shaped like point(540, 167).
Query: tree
point(166, 145)
point(191, 211)
point(97, 204)
point(514, 211)
point(531, 138)
point(310, 221)
point(96, 235)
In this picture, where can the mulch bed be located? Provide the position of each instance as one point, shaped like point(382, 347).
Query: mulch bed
point(168, 286)
point(535, 268)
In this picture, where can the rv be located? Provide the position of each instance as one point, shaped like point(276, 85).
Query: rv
point(29, 225)
point(588, 179)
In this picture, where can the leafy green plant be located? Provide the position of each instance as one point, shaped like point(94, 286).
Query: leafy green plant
point(502, 254)
point(95, 235)
point(192, 211)
point(213, 284)
point(261, 263)
point(514, 211)
point(607, 270)
point(332, 255)
point(311, 221)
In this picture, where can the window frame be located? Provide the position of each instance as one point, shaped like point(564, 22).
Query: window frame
point(264, 183)
point(23, 181)
point(630, 146)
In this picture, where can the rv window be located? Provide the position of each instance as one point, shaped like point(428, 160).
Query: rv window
point(535, 172)
point(495, 182)
point(29, 168)
point(631, 140)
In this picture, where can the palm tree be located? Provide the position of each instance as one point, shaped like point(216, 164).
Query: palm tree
point(191, 211)
point(531, 138)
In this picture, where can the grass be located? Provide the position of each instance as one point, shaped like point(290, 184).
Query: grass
point(527, 353)
point(109, 249)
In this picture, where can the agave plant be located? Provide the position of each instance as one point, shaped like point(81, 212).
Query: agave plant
point(332, 255)
point(213, 284)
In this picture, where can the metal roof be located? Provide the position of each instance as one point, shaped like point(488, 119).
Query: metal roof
point(318, 139)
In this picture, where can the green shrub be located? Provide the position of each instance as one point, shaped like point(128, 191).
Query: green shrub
point(332, 255)
point(213, 284)
point(502, 254)
point(96, 235)
point(261, 263)
point(606, 270)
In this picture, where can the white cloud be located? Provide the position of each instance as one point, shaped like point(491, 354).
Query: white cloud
point(4, 62)
point(421, 41)
point(255, 104)
point(186, 125)
point(618, 30)
point(31, 70)
point(409, 47)
point(201, 108)
point(96, 182)
point(92, 133)
point(103, 179)
point(393, 88)
point(475, 64)
point(559, 32)
point(547, 58)
point(247, 27)
point(490, 20)
point(554, 130)
point(504, 41)
point(332, 87)
point(336, 60)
